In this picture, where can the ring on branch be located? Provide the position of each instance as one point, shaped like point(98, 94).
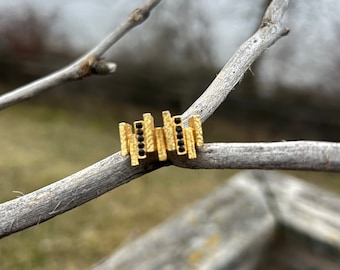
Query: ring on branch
point(172, 137)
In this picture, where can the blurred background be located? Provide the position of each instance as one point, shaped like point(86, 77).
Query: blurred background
point(291, 93)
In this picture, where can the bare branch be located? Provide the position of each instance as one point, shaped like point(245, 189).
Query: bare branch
point(111, 172)
point(271, 29)
point(68, 193)
point(89, 64)
point(115, 170)
point(137, 17)
point(295, 155)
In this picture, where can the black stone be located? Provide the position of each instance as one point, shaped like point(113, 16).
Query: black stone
point(141, 145)
point(180, 142)
point(141, 152)
point(140, 138)
point(179, 136)
point(177, 120)
point(179, 129)
point(140, 132)
point(139, 125)
point(181, 148)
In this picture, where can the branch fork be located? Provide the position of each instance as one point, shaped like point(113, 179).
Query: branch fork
point(115, 170)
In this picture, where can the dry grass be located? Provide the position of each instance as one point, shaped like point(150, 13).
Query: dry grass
point(40, 145)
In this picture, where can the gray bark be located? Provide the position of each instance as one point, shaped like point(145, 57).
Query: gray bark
point(111, 172)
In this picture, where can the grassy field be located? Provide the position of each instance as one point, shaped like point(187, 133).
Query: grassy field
point(40, 145)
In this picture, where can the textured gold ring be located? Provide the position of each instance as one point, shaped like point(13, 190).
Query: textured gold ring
point(143, 138)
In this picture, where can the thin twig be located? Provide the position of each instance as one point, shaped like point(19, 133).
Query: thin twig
point(89, 64)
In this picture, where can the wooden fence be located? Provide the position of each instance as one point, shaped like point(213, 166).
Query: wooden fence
point(257, 220)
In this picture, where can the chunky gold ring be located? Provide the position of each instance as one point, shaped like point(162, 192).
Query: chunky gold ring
point(142, 138)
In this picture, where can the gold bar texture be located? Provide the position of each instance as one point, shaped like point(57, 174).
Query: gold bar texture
point(124, 130)
point(160, 142)
point(196, 125)
point(139, 127)
point(178, 129)
point(142, 137)
point(149, 127)
point(133, 150)
point(168, 131)
point(189, 137)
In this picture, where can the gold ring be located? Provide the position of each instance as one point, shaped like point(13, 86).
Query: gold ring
point(143, 137)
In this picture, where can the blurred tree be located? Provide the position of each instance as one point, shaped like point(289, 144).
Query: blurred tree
point(27, 38)
point(171, 62)
point(25, 34)
point(179, 36)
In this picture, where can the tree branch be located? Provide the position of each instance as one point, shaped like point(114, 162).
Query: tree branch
point(68, 193)
point(271, 30)
point(294, 155)
point(115, 170)
point(89, 64)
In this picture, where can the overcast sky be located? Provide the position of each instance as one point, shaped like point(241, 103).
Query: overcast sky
point(88, 21)
point(310, 52)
